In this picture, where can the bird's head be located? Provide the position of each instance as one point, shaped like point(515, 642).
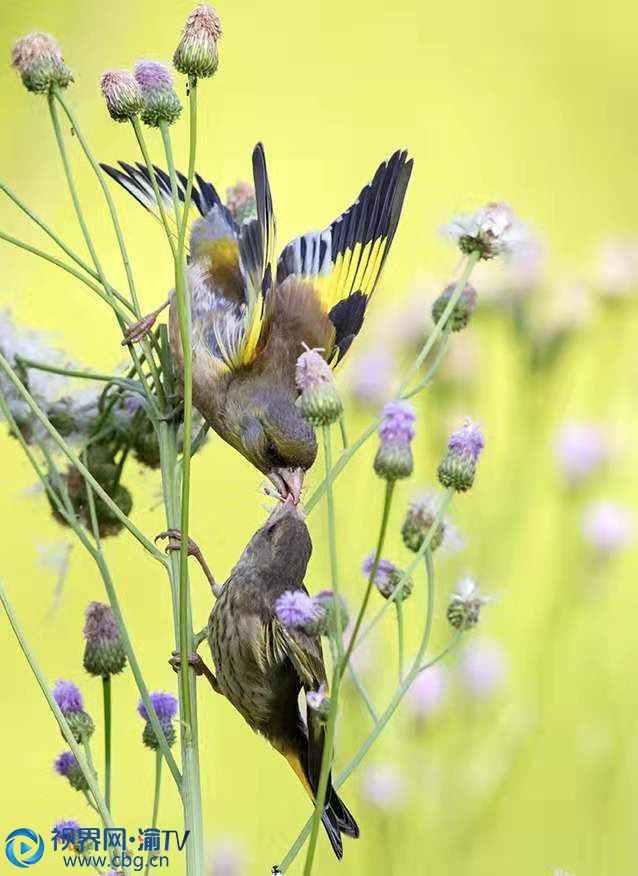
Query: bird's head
point(277, 440)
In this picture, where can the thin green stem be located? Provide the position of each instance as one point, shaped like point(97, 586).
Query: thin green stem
point(90, 802)
point(106, 697)
point(429, 374)
point(387, 504)
point(400, 636)
point(156, 800)
point(344, 431)
point(69, 372)
point(139, 134)
point(363, 692)
point(332, 533)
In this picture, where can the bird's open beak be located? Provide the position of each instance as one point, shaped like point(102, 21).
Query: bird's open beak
point(288, 483)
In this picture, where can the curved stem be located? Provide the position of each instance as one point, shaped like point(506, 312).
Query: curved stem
point(440, 353)
point(106, 696)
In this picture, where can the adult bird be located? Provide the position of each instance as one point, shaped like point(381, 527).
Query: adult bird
point(251, 317)
point(261, 666)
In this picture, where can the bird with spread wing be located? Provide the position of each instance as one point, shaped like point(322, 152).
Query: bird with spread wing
point(251, 317)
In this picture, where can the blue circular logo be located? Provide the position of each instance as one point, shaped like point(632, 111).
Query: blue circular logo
point(24, 847)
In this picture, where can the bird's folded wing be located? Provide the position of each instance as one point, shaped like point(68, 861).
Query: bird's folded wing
point(303, 651)
point(344, 261)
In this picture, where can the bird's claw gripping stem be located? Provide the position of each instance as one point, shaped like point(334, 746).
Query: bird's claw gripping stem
point(174, 537)
point(198, 665)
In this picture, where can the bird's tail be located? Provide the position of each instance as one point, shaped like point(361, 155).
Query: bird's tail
point(305, 759)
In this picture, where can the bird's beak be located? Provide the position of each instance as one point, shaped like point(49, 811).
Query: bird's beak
point(288, 483)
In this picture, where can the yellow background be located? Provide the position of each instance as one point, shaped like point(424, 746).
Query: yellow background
point(534, 104)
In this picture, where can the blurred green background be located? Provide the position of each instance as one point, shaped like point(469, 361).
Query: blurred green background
point(534, 105)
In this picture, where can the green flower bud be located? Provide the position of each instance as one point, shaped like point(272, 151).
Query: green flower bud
point(462, 310)
point(333, 614)
point(464, 608)
point(104, 653)
point(150, 739)
point(161, 104)
point(38, 60)
point(122, 94)
point(197, 54)
point(457, 472)
point(81, 725)
point(319, 401)
point(394, 462)
point(418, 522)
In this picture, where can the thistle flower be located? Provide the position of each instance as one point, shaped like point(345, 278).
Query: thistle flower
point(165, 705)
point(396, 432)
point(383, 786)
point(458, 468)
point(580, 449)
point(462, 310)
point(419, 519)
point(104, 653)
point(38, 60)
point(319, 703)
point(66, 765)
point(332, 613)
point(428, 693)
point(607, 527)
point(319, 401)
point(490, 231)
point(160, 102)
point(240, 200)
point(372, 376)
point(71, 703)
point(65, 832)
point(196, 53)
point(465, 605)
point(386, 577)
point(297, 610)
point(122, 94)
point(482, 669)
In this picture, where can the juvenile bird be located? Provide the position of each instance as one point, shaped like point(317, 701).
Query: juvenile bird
point(251, 317)
point(261, 666)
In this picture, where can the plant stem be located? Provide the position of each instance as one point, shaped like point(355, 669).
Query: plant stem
point(156, 799)
point(363, 692)
point(68, 372)
point(106, 696)
point(139, 134)
point(399, 607)
point(332, 534)
point(344, 431)
point(387, 504)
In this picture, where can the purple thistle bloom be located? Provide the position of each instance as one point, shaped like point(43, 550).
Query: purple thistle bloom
point(294, 608)
point(428, 692)
point(100, 624)
point(482, 669)
point(68, 697)
point(385, 569)
point(66, 824)
point(607, 527)
point(164, 703)
point(383, 786)
point(580, 449)
point(397, 423)
point(467, 441)
point(152, 75)
point(64, 763)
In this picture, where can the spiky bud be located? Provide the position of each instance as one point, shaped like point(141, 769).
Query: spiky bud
point(418, 521)
point(462, 310)
point(396, 432)
point(197, 53)
point(333, 613)
point(122, 94)
point(165, 705)
point(71, 703)
point(387, 577)
point(104, 653)
point(66, 765)
point(319, 401)
point(458, 468)
point(464, 608)
point(38, 60)
point(160, 102)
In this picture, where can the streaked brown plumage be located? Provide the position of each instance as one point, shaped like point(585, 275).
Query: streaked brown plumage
point(251, 317)
point(261, 666)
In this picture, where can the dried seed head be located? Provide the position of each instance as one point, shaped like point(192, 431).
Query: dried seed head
point(197, 54)
point(38, 59)
point(122, 94)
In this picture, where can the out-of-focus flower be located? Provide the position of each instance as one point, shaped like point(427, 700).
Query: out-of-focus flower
point(458, 468)
point(482, 669)
point(386, 577)
point(319, 702)
point(396, 433)
point(580, 449)
point(462, 310)
point(71, 703)
point(607, 527)
point(383, 786)
point(428, 693)
point(66, 765)
point(319, 401)
point(240, 200)
point(196, 53)
point(490, 231)
point(161, 103)
point(465, 605)
point(332, 613)
point(38, 60)
point(104, 653)
point(165, 705)
point(418, 522)
point(297, 609)
point(617, 268)
point(371, 376)
point(122, 94)
point(226, 858)
point(65, 834)
point(569, 306)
